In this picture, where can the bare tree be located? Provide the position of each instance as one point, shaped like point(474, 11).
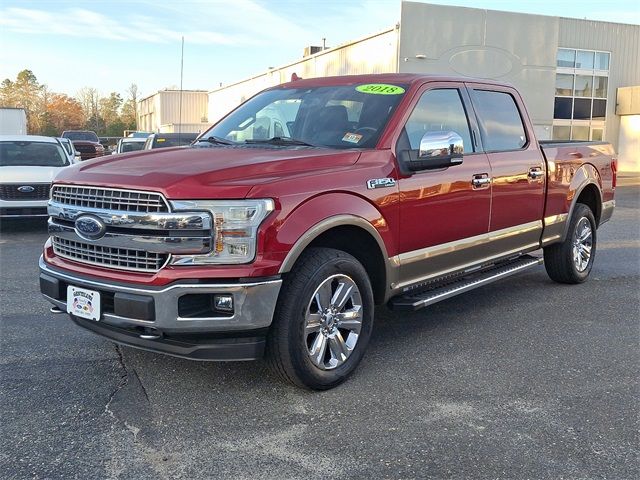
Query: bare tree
point(133, 97)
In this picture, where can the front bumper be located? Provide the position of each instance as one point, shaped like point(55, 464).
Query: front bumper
point(150, 317)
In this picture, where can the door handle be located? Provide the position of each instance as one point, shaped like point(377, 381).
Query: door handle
point(480, 180)
point(535, 173)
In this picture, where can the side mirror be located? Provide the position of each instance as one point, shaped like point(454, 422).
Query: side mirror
point(437, 150)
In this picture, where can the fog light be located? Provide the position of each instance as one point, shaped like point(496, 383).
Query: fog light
point(223, 303)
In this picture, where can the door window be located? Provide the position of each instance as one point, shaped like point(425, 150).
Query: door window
point(500, 121)
point(439, 110)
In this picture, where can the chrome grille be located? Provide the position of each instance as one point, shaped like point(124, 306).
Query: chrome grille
point(119, 258)
point(109, 199)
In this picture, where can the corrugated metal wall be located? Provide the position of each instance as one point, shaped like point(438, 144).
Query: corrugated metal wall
point(163, 108)
point(623, 41)
point(374, 54)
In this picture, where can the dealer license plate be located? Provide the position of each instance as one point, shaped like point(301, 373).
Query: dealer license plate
point(83, 303)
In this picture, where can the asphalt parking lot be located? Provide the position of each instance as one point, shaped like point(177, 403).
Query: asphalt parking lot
point(521, 379)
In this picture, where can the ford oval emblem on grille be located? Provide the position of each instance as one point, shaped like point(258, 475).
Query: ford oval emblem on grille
point(26, 189)
point(90, 228)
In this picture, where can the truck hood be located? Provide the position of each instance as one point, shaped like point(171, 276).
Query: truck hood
point(29, 174)
point(205, 172)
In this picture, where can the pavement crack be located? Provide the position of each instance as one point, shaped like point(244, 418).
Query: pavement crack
point(144, 390)
point(129, 402)
point(124, 379)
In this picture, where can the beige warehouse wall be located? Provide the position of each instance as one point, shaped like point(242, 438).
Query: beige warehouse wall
point(510, 47)
point(163, 108)
point(374, 54)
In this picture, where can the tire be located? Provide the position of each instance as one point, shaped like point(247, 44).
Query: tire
point(566, 262)
point(303, 326)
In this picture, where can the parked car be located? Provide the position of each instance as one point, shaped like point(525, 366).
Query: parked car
point(72, 153)
point(129, 144)
point(86, 142)
point(28, 165)
point(164, 140)
point(393, 189)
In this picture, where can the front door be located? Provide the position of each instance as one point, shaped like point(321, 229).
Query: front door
point(443, 213)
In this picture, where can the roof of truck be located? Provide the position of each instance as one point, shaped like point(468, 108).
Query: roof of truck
point(389, 78)
point(27, 138)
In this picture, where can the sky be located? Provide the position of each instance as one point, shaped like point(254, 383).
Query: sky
point(111, 44)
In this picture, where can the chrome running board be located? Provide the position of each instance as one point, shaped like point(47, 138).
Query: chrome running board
point(412, 301)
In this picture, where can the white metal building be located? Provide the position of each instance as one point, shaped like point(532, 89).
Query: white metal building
point(172, 111)
point(569, 70)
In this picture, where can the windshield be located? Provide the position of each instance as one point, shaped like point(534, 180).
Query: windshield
point(131, 146)
point(82, 136)
point(32, 154)
point(343, 116)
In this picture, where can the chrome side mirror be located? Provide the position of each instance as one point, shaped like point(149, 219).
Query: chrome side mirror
point(437, 145)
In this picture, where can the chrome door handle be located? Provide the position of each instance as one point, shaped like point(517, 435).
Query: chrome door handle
point(480, 180)
point(535, 173)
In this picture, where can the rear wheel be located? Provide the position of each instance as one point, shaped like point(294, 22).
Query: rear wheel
point(323, 320)
point(571, 261)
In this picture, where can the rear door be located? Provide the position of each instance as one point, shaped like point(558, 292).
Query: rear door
point(444, 213)
point(518, 168)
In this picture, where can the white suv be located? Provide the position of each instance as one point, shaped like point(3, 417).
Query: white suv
point(28, 165)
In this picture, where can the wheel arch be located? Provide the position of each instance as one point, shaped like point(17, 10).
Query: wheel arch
point(586, 188)
point(354, 235)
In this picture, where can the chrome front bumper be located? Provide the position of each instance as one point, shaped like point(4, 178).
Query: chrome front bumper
point(254, 302)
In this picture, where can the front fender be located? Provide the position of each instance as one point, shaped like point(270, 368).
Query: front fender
point(327, 211)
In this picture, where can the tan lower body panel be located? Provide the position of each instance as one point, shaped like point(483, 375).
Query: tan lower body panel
point(440, 260)
point(554, 227)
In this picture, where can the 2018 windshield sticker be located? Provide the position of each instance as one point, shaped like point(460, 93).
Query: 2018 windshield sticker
point(380, 89)
point(352, 137)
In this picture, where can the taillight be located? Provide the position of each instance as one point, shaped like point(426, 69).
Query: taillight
point(614, 172)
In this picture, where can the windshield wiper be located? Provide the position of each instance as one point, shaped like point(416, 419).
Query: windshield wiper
point(216, 140)
point(281, 141)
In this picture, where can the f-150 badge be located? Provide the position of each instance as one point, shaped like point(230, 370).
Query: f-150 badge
point(380, 183)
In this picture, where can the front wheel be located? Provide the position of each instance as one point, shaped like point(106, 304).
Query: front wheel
point(571, 261)
point(323, 320)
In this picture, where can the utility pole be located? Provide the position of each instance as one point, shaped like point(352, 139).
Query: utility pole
point(180, 107)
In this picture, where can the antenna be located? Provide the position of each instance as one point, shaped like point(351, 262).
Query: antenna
point(180, 106)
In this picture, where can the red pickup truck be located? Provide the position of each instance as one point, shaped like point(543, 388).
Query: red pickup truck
point(278, 230)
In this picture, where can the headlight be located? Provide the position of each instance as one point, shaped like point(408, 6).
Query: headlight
point(235, 233)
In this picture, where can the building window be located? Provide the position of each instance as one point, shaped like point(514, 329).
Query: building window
point(582, 80)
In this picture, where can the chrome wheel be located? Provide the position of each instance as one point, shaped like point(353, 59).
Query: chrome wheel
point(582, 244)
point(333, 321)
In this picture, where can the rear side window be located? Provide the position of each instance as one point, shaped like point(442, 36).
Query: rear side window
point(500, 121)
point(439, 111)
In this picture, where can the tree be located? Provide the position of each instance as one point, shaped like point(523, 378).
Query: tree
point(63, 113)
point(25, 92)
point(89, 99)
point(129, 113)
point(109, 108)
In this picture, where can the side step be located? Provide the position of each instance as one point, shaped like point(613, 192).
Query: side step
point(412, 301)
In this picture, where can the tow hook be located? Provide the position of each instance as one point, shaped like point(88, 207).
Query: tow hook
point(150, 334)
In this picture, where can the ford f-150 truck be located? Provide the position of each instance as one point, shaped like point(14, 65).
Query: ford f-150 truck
point(391, 189)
